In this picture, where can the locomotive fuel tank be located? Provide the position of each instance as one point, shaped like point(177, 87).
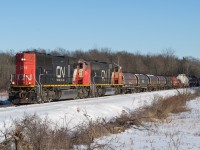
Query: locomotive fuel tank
point(68, 94)
point(109, 91)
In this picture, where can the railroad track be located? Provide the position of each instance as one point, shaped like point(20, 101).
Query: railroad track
point(4, 106)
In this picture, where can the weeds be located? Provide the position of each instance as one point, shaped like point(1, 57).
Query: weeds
point(162, 107)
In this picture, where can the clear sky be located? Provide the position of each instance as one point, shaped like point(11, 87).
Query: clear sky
point(147, 26)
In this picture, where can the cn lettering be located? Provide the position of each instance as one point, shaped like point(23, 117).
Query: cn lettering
point(60, 72)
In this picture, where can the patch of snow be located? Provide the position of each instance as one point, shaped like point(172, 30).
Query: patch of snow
point(3, 97)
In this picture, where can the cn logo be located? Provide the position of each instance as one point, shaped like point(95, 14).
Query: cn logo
point(23, 76)
point(60, 72)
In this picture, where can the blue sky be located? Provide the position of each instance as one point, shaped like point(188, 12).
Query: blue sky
point(145, 26)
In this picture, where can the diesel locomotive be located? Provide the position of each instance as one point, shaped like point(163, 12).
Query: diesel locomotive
point(41, 77)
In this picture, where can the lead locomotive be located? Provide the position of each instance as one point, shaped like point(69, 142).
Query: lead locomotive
point(42, 77)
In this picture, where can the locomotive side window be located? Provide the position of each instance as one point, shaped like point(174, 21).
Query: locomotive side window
point(116, 69)
point(81, 65)
point(103, 73)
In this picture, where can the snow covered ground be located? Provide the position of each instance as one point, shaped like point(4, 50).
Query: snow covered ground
point(74, 112)
point(180, 131)
point(3, 96)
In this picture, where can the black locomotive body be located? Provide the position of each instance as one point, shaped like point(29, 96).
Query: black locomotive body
point(53, 69)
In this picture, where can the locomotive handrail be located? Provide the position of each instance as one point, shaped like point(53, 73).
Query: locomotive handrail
point(12, 78)
point(40, 85)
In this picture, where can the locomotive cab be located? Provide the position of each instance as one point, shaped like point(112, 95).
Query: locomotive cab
point(22, 83)
point(82, 73)
point(117, 75)
point(25, 70)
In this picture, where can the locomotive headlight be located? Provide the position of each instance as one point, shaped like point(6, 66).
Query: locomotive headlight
point(23, 59)
point(13, 82)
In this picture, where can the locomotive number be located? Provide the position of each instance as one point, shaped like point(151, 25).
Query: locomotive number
point(23, 67)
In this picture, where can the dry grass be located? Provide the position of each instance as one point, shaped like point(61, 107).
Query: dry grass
point(32, 132)
point(162, 107)
point(197, 134)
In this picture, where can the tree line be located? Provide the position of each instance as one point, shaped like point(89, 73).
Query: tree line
point(165, 63)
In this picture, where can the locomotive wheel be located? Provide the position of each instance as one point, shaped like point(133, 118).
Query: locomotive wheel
point(16, 101)
point(117, 90)
point(83, 93)
point(50, 100)
point(133, 91)
point(39, 100)
point(80, 94)
point(100, 91)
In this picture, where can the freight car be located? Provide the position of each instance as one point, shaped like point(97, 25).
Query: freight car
point(134, 83)
point(175, 82)
point(144, 82)
point(42, 77)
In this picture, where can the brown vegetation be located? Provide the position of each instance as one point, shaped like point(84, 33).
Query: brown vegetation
point(7, 67)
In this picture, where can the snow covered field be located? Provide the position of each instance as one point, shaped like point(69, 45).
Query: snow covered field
point(181, 131)
point(178, 132)
point(73, 112)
